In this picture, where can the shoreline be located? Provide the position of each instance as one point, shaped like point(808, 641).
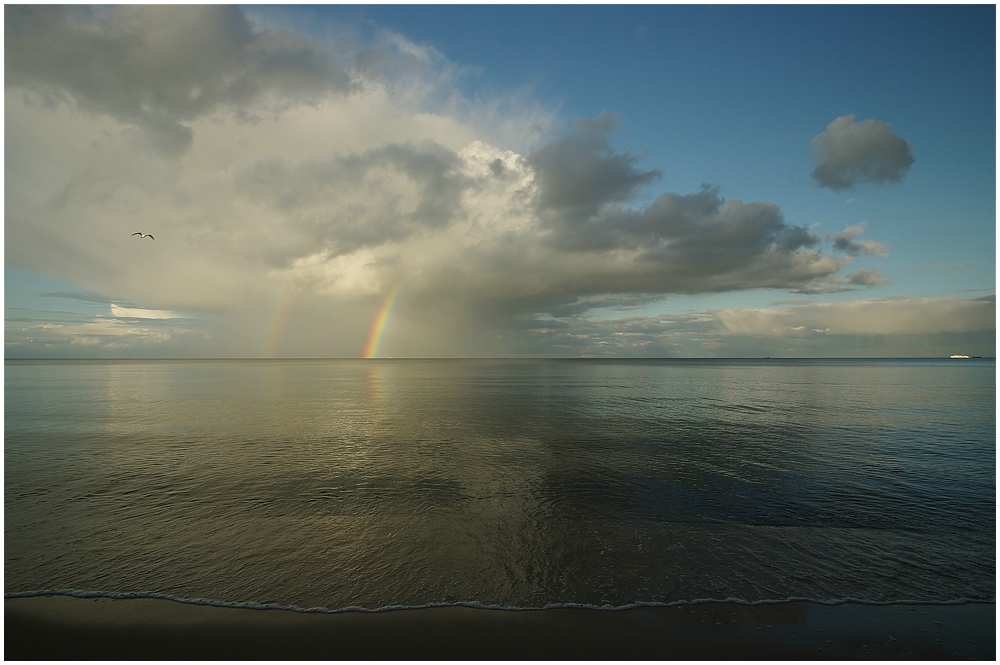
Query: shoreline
point(71, 628)
point(474, 605)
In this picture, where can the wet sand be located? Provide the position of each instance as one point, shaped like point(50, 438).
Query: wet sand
point(61, 627)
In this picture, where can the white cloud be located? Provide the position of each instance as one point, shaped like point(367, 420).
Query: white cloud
point(119, 311)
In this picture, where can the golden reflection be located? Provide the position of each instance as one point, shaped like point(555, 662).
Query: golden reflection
point(375, 388)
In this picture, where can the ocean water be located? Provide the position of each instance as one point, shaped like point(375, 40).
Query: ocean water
point(512, 483)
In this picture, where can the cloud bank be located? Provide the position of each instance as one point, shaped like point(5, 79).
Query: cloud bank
point(159, 68)
point(292, 182)
point(872, 327)
point(851, 153)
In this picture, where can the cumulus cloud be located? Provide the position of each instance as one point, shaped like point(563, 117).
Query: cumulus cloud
point(508, 226)
point(303, 189)
point(844, 242)
point(588, 240)
point(327, 200)
point(578, 174)
point(159, 67)
point(850, 153)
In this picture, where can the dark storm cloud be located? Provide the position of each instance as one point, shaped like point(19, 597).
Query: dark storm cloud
point(702, 242)
point(695, 243)
point(705, 227)
point(320, 197)
point(578, 174)
point(850, 153)
point(681, 243)
point(680, 220)
point(158, 67)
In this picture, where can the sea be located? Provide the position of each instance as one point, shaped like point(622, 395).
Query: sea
point(333, 485)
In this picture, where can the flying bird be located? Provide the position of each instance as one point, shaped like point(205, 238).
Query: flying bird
point(144, 235)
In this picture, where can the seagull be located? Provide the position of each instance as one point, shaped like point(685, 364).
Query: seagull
point(144, 235)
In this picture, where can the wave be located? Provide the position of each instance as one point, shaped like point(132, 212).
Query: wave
point(251, 605)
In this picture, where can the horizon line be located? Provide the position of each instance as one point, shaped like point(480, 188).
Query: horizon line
point(361, 358)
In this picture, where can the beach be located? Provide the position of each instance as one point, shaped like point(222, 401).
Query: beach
point(69, 628)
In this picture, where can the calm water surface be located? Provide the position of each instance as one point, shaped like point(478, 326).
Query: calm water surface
point(517, 483)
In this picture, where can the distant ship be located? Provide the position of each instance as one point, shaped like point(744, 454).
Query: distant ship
point(959, 355)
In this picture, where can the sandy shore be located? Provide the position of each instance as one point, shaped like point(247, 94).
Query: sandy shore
point(59, 627)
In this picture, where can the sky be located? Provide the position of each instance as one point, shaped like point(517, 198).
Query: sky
point(499, 181)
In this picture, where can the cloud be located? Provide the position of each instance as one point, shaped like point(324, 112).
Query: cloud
point(102, 335)
point(159, 67)
point(85, 297)
point(844, 242)
point(872, 327)
point(120, 312)
point(419, 186)
point(498, 229)
point(306, 188)
point(588, 240)
point(850, 153)
point(866, 277)
point(860, 277)
point(877, 316)
point(578, 174)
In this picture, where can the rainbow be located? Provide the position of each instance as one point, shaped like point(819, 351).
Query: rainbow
point(378, 325)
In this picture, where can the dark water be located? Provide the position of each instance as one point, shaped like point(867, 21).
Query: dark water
point(514, 483)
